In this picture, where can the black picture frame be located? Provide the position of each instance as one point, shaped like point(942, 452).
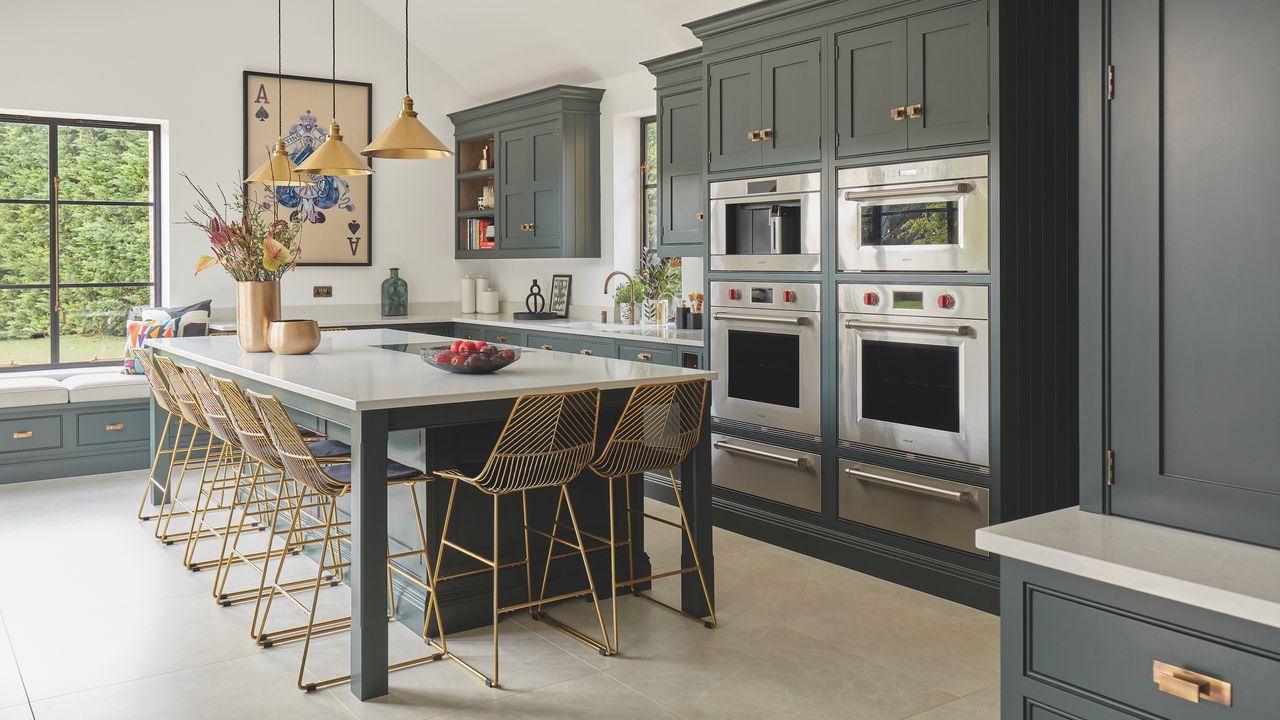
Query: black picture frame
point(553, 303)
point(246, 169)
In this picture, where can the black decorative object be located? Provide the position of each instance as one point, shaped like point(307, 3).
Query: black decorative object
point(536, 306)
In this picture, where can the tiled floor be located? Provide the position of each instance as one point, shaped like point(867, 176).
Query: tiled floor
point(99, 621)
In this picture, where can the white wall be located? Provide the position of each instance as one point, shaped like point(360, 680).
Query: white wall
point(181, 63)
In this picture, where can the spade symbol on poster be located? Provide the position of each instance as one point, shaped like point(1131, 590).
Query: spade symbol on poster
point(262, 114)
point(354, 227)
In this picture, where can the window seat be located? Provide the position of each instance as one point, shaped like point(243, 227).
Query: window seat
point(29, 390)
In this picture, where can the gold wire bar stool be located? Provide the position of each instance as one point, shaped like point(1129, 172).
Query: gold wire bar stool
point(165, 402)
point(658, 428)
point(276, 493)
point(192, 415)
point(326, 484)
point(547, 441)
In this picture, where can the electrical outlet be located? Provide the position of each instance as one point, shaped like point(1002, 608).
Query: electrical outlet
point(322, 291)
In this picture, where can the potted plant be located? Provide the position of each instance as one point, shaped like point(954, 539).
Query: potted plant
point(256, 247)
point(659, 282)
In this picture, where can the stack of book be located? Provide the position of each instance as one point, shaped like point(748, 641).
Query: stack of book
point(479, 234)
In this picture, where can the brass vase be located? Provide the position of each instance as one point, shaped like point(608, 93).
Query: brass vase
point(257, 305)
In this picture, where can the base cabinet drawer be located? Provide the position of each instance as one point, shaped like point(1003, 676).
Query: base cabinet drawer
point(469, 332)
point(37, 433)
point(1145, 665)
point(103, 428)
point(571, 344)
point(504, 336)
point(931, 509)
point(780, 474)
point(644, 354)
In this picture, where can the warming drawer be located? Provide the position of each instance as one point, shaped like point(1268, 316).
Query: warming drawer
point(931, 509)
point(783, 475)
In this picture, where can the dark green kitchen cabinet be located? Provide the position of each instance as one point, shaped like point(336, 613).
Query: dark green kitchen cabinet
point(766, 109)
point(682, 154)
point(914, 83)
point(543, 168)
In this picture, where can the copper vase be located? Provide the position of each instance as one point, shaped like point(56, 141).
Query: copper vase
point(257, 305)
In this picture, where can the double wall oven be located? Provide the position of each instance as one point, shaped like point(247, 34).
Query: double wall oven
point(914, 372)
point(766, 340)
point(767, 223)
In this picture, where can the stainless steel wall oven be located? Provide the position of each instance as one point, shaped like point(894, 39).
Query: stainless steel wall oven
point(766, 345)
point(768, 223)
point(914, 371)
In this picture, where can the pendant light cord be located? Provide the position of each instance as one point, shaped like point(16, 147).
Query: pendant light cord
point(279, 67)
point(406, 48)
point(333, 58)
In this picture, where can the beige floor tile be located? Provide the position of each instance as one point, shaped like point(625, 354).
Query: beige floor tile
point(258, 686)
point(16, 712)
point(982, 705)
point(12, 691)
point(587, 698)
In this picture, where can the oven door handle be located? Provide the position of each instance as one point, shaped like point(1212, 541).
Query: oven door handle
point(795, 462)
point(957, 188)
point(956, 496)
point(955, 330)
point(756, 318)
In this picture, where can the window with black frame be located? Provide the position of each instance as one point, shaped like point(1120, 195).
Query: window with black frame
point(79, 237)
point(649, 181)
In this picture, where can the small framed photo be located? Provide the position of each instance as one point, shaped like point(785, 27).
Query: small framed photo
point(560, 287)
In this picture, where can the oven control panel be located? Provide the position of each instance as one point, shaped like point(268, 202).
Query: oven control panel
point(962, 301)
point(765, 295)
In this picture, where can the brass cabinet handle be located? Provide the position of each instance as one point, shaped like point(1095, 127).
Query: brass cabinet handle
point(113, 427)
point(22, 435)
point(585, 351)
point(898, 113)
point(527, 227)
point(1190, 686)
point(753, 136)
point(467, 337)
point(766, 133)
point(700, 216)
point(546, 347)
point(915, 111)
point(502, 338)
point(644, 356)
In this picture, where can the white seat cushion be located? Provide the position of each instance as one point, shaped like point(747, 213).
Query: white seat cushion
point(97, 387)
point(27, 391)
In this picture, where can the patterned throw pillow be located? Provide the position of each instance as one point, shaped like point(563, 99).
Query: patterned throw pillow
point(195, 317)
point(139, 331)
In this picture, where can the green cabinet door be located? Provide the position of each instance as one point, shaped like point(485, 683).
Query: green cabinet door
point(680, 183)
point(791, 90)
point(515, 204)
point(947, 76)
point(871, 90)
point(545, 183)
point(734, 115)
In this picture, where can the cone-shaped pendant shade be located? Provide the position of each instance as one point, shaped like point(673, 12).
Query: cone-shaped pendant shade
point(406, 138)
point(333, 157)
point(278, 170)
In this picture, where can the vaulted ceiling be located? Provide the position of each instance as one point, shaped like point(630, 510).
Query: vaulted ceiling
point(498, 47)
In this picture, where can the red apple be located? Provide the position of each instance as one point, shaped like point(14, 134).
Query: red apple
point(444, 358)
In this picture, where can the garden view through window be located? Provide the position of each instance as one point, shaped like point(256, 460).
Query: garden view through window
point(649, 180)
point(78, 237)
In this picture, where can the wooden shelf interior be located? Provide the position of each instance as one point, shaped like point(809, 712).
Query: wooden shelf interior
point(470, 190)
point(471, 150)
point(469, 186)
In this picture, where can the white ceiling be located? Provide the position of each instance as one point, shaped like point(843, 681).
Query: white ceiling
point(495, 48)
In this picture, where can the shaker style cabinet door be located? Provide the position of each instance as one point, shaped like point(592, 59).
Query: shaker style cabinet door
point(1192, 247)
point(515, 206)
point(545, 184)
point(735, 114)
point(947, 76)
point(792, 114)
point(530, 163)
point(871, 90)
point(680, 153)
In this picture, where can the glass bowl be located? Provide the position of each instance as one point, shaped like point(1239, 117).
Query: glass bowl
point(469, 361)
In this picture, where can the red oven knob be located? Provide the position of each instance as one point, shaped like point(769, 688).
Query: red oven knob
point(946, 301)
point(870, 298)
point(735, 294)
point(788, 296)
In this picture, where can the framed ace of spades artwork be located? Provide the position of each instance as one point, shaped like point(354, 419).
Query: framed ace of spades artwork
point(336, 212)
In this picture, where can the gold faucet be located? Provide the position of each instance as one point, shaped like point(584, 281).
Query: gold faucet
point(632, 319)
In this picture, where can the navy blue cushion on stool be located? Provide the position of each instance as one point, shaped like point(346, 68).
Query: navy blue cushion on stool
point(329, 448)
point(395, 471)
point(306, 432)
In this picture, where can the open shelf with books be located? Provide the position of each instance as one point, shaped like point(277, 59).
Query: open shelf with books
point(476, 201)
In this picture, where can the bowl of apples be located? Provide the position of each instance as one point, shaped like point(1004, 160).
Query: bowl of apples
point(470, 357)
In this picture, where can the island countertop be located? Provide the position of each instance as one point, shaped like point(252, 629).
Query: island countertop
point(350, 370)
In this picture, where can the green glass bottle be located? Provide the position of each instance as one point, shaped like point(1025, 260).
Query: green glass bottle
point(395, 295)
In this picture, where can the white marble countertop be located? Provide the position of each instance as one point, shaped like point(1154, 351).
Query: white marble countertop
point(357, 315)
point(1225, 576)
point(348, 371)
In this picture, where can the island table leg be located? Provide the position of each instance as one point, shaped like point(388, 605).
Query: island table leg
point(695, 493)
point(369, 629)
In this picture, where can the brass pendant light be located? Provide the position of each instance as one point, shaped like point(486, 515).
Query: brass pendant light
point(406, 138)
point(333, 157)
point(279, 170)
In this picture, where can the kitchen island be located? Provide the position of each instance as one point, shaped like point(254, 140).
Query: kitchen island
point(371, 388)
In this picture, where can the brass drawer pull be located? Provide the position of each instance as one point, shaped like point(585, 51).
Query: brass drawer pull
point(1190, 686)
point(527, 227)
point(546, 347)
point(644, 356)
point(22, 435)
point(915, 111)
point(700, 216)
point(753, 136)
point(113, 427)
point(766, 133)
point(898, 113)
point(502, 338)
point(585, 351)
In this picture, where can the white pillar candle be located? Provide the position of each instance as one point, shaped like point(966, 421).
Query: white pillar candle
point(467, 295)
